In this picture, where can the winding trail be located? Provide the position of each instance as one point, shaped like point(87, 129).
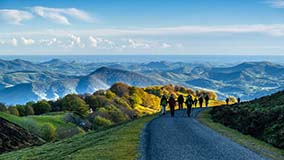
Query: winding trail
point(183, 138)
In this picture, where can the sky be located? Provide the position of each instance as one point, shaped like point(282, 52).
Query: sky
point(150, 27)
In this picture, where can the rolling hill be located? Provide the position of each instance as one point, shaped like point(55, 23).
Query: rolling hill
point(56, 78)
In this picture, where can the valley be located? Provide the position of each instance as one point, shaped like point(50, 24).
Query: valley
point(22, 81)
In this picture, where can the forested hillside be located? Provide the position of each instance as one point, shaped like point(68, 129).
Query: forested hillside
point(74, 114)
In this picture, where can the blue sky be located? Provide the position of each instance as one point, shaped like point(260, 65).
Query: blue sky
point(38, 27)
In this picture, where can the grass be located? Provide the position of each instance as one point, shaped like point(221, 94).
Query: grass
point(55, 119)
point(119, 142)
point(252, 143)
point(35, 125)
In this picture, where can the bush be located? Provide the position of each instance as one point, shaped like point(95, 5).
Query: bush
point(95, 102)
point(100, 122)
point(74, 103)
point(31, 126)
point(48, 132)
point(65, 133)
point(110, 94)
point(117, 116)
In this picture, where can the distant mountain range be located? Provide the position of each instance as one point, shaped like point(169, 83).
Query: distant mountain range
point(22, 81)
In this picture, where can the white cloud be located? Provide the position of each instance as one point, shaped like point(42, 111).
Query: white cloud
point(137, 44)
point(13, 42)
point(166, 45)
point(27, 41)
point(49, 42)
point(276, 3)
point(101, 43)
point(94, 42)
point(76, 41)
point(2, 42)
point(60, 15)
point(12, 16)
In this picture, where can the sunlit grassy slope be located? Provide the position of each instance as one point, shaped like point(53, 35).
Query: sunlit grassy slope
point(120, 142)
point(54, 119)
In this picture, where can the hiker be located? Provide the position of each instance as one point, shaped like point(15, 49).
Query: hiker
point(180, 102)
point(195, 102)
point(206, 100)
point(163, 104)
point(200, 99)
point(239, 100)
point(172, 103)
point(188, 103)
point(227, 101)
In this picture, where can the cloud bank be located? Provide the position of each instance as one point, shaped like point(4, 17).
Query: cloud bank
point(12, 16)
point(56, 15)
point(61, 15)
point(276, 3)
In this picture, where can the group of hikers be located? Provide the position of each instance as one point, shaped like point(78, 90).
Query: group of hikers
point(189, 101)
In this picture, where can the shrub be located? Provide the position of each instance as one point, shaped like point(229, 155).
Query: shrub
point(31, 126)
point(117, 116)
point(110, 94)
point(95, 102)
point(65, 133)
point(48, 132)
point(74, 103)
point(100, 122)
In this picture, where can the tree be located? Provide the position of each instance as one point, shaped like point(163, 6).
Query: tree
point(21, 110)
point(29, 110)
point(74, 103)
point(13, 110)
point(120, 89)
point(41, 107)
point(3, 108)
point(55, 105)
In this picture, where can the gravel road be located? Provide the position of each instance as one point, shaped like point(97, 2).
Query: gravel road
point(183, 138)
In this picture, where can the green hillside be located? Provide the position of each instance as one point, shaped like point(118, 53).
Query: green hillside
point(261, 118)
point(119, 142)
point(48, 127)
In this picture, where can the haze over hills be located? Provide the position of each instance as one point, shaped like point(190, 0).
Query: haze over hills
point(22, 81)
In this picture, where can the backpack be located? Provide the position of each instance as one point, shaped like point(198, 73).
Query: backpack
point(164, 102)
point(189, 101)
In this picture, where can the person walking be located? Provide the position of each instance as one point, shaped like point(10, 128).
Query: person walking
point(200, 100)
point(188, 103)
point(180, 102)
point(227, 101)
point(239, 100)
point(206, 100)
point(172, 103)
point(163, 104)
point(195, 102)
